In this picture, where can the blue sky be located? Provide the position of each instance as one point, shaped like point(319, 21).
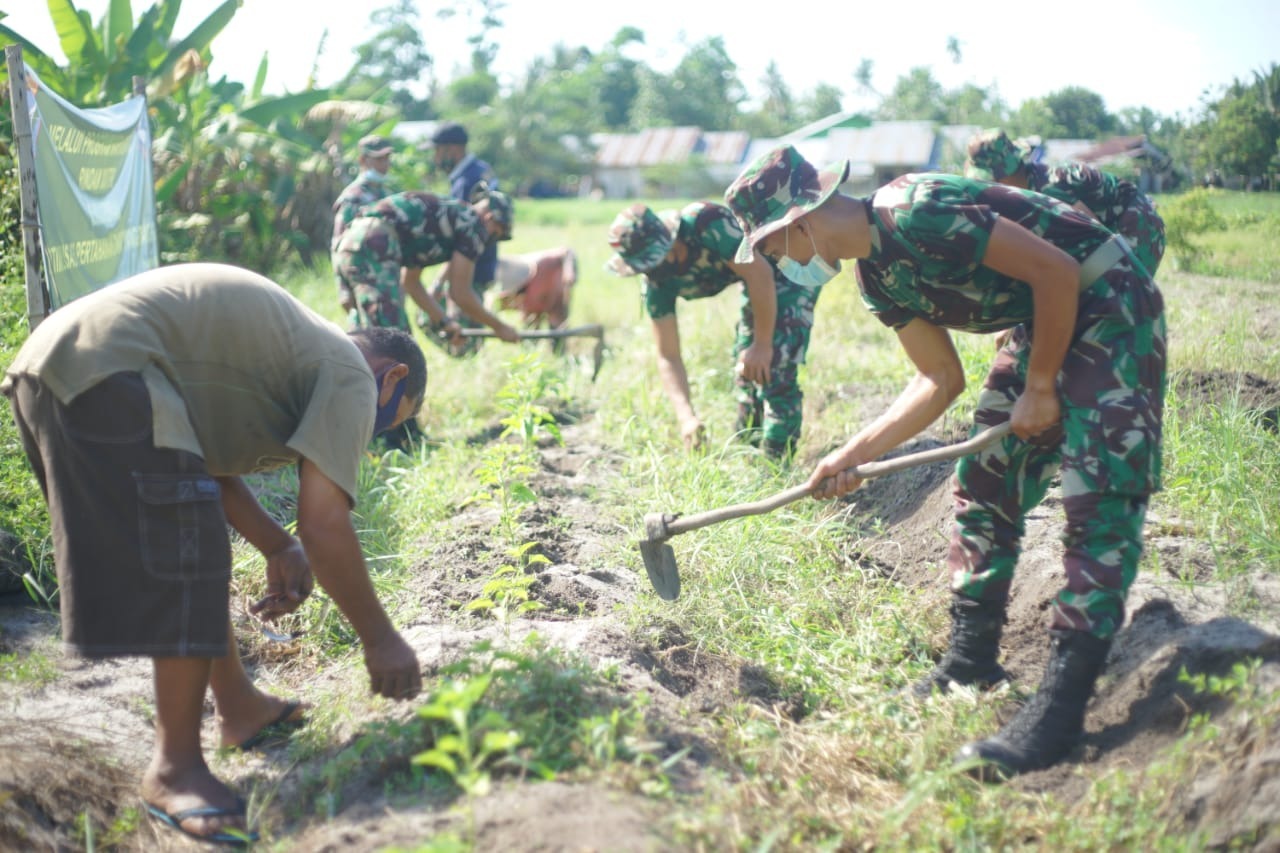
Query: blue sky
point(1157, 53)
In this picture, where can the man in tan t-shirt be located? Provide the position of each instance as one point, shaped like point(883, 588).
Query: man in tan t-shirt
point(140, 405)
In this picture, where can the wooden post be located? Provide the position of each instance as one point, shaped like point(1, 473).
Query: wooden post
point(37, 301)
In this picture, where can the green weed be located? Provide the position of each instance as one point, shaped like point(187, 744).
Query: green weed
point(30, 669)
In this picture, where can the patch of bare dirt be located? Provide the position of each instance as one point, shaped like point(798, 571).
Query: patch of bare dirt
point(1254, 394)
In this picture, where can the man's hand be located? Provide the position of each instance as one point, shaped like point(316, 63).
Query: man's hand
point(1034, 412)
point(393, 668)
point(289, 582)
point(832, 478)
point(346, 299)
point(451, 330)
point(693, 432)
point(506, 333)
point(753, 363)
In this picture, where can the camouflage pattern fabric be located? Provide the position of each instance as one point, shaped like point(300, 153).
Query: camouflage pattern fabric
point(355, 196)
point(410, 229)
point(639, 239)
point(348, 204)
point(774, 413)
point(367, 263)
point(711, 236)
point(992, 155)
point(929, 234)
point(777, 188)
point(1118, 204)
point(1112, 388)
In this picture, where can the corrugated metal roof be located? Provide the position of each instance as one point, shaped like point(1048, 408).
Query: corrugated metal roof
point(723, 146)
point(907, 144)
point(647, 148)
point(669, 145)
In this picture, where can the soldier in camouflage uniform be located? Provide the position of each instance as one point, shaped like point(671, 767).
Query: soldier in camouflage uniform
point(688, 254)
point(380, 257)
point(369, 186)
point(1118, 204)
point(1082, 386)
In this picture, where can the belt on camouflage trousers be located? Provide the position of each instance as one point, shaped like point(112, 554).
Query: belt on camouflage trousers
point(1102, 259)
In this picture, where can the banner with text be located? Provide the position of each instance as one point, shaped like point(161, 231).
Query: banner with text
point(94, 192)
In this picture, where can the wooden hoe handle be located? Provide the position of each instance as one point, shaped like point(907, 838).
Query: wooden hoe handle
point(683, 524)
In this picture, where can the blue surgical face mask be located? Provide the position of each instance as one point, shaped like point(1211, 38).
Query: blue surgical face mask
point(385, 415)
point(814, 274)
point(373, 175)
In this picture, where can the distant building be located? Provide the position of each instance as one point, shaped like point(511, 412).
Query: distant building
point(664, 162)
point(1133, 158)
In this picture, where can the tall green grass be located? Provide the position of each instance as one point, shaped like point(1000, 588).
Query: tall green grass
point(1236, 240)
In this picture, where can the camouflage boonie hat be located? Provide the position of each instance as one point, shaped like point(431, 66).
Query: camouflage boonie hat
point(502, 208)
point(775, 190)
point(993, 155)
point(374, 145)
point(640, 239)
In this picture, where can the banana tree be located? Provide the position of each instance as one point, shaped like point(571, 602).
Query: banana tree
point(103, 59)
point(246, 176)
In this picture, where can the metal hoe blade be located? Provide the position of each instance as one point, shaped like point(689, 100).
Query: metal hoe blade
point(660, 563)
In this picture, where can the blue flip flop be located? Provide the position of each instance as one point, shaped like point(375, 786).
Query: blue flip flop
point(224, 838)
point(281, 721)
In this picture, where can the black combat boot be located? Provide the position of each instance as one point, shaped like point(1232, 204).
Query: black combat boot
point(779, 451)
point(975, 645)
point(1049, 726)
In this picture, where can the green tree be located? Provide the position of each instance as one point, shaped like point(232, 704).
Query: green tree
point(824, 100)
point(393, 59)
point(704, 89)
point(778, 101)
point(1242, 137)
point(103, 59)
point(615, 80)
point(1079, 113)
point(972, 104)
point(916, 96)
point(1033, 117)
point(554, 101)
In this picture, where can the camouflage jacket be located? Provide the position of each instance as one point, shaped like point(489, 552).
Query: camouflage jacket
point(929, 233)
point(1106, 195)
point(711, 235)
point(430, 229)
point(353, 197)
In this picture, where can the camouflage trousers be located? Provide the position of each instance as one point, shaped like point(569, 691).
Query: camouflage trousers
point(1107, 449)
point(774, 412)
point(367, 262)
point(1143, 229)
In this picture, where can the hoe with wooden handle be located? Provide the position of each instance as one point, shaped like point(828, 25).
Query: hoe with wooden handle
point(594, 330)
point(660, 560)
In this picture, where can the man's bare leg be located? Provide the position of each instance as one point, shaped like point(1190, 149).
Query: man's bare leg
point(178, 778)
point(243, 709)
